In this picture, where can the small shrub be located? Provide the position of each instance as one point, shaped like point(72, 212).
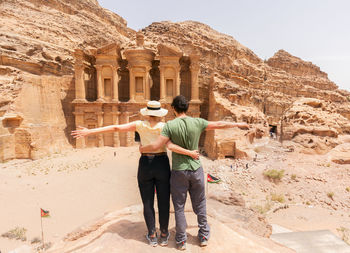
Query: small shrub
point(330, 195)
point(348, 98)
point(293, 176)
point(17, 233)
point(263, 209)
point(347, 189)
point(277, 197)
point(345, 234)
point(308, 203)
point(275, 175)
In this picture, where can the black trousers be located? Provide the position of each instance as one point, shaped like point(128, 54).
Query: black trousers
point(154, 176)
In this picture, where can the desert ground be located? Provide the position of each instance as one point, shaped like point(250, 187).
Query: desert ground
point(79, 186)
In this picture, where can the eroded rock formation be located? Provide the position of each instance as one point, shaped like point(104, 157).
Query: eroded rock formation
point(37, 75)
point(314, 125)
point(36, 69)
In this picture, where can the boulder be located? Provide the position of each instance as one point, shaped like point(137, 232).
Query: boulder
point(340, 154)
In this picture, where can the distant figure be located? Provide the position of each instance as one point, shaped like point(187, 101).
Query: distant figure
point(154, 170)
point(187, 173)
point(272, 132)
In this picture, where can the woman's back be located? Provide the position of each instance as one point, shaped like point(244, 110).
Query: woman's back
point(149, 134)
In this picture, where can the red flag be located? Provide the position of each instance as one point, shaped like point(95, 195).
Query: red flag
point(44, 213)
point(213, 180)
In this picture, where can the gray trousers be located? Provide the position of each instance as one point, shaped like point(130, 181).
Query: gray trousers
point(193, 182)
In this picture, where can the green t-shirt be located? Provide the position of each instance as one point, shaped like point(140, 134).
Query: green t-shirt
point(185, 132)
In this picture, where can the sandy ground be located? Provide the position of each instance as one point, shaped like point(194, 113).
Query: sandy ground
point(313, 193)
point(82, 185)
point(76, 187)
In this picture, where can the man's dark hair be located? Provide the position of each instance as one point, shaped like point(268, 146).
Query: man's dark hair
point(180, 104)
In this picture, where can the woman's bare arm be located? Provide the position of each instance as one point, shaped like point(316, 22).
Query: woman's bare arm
point(83, 131)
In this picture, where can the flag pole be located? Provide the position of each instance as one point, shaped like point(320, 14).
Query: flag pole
point(42, 231)
point(207, 185)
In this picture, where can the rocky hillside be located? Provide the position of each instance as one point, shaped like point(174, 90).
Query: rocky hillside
point(37, 82)
point(236, 84)
point(315, 126)
point(39, 37)
point(36, 69)
point(270, 85)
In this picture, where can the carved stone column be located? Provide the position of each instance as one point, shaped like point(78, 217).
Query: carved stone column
point(100, 124)
point(194, 78)
point(132, 85)
point(100, 91)
point(79, 121)
point(79, 83)
point(162, 85)
point(115, 83)
point(79, 76)
point(115, 119)
point(177, 81)
point(148, 86)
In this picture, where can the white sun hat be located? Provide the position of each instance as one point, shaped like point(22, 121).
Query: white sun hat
point(153, 109)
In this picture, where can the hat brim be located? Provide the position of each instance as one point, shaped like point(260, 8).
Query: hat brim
point(157, 113)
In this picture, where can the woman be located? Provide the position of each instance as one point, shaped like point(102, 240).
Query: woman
point(154, 169)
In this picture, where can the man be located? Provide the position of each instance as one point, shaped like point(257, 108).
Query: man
point(187, 173)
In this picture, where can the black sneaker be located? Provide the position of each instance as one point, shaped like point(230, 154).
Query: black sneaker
point(163, 240)
point(153, 241)
point(203, 241)
point(181, 245)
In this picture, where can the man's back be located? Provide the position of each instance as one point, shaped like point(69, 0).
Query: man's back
point(185, 132)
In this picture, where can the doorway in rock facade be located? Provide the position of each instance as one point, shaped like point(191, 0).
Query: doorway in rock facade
point(155, 75)
point(123, 85)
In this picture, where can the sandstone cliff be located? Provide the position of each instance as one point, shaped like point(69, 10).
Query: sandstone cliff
point(37, 83)
point(266, 89)
point(282, 75)
point(37, 86)
point(314, 125)
point(36, 69)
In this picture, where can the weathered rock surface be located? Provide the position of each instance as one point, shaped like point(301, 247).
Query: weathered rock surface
point(226, 101)
point(314, 124)
point(229, 211)
point(109, 235)
point(282, 75)
point(36, 69)
point(36, 49)
point(340, 154)
point(243, 79)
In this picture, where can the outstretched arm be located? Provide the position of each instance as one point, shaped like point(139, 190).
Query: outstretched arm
point(226, 124)
point(160, 142)
point(83, 131)
point(177, 149)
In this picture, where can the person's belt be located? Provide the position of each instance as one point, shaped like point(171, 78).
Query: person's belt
point(154, 154)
